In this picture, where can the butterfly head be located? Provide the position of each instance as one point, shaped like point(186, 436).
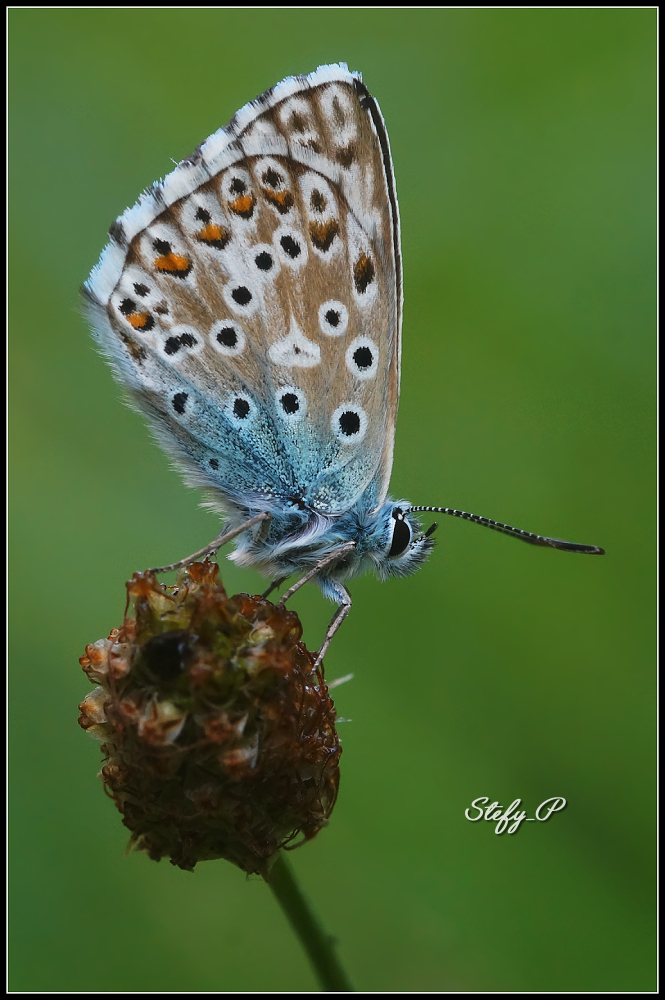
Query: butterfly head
point(399, 546)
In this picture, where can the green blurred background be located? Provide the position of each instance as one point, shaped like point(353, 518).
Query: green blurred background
point(523, 143)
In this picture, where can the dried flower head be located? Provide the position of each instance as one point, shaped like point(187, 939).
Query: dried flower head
point(217, 731)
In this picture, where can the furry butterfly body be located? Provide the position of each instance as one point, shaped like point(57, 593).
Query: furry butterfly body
point(251, 303)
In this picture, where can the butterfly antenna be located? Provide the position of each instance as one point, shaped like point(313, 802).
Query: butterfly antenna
point(506, 529)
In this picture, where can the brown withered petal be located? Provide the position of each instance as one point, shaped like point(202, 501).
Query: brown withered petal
point(218, 734)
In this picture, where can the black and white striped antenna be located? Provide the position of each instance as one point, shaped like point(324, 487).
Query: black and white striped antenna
point(506, 529)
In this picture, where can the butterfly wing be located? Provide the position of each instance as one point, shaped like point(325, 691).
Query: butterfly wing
point(251, 301)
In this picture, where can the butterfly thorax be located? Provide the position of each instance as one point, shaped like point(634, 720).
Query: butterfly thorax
point(295, 540)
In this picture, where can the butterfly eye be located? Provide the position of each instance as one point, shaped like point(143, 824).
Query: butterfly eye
point(401, 535)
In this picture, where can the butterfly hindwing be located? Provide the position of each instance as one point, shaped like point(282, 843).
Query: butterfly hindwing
point(251, 302)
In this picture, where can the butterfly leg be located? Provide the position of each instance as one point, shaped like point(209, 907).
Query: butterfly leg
point(273, 586)
point(335, 623)
point(344, 597)
point(210, 549)
point(331, 557)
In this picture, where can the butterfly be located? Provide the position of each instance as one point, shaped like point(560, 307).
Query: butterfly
point(251, 305)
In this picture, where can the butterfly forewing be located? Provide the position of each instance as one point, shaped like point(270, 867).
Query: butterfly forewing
point(252, 302)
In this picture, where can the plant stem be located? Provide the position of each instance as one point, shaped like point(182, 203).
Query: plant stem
point(320, 947)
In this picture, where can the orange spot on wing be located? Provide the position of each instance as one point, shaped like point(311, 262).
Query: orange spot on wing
point(282, 200)
point(243, 205)
point(173, 263)
point(363, 272)
point(140, 321)
point(215, 235)
point(323, 233)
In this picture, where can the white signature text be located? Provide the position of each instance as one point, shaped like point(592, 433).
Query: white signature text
point(511, 818)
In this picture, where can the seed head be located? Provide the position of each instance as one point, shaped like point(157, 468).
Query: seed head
point(218, 734)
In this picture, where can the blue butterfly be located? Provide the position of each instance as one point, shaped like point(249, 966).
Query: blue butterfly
point(251, 303)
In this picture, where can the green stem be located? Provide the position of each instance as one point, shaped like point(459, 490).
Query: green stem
point(320, 947)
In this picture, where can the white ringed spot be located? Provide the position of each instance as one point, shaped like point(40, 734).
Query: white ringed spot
point(227, 337)
point(291, 403)
point(240, 408)
point(362, 358)
point(349, 423)
point(291, 246)
point(265, 262)
point(333, 318)
point(240, 297)
point(182, 339)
